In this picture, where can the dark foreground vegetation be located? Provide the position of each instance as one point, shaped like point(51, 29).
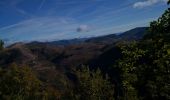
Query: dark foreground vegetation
point(123, 70)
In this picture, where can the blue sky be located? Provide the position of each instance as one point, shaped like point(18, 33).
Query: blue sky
point(48, 20)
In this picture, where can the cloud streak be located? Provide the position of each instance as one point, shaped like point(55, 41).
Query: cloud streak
point(39, 28)
point(147, 3)
point(41, 4)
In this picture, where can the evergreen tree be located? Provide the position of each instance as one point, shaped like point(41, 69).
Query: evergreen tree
point(1, 44)
point(92, 86)
point(19, 83)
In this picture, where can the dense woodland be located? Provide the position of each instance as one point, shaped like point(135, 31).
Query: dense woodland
point(140, 69)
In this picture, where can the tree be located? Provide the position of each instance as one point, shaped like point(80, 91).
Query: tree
point(19, 83)
point(128, 69)
point(92, 86)
point(1, 44)
point(145, 65)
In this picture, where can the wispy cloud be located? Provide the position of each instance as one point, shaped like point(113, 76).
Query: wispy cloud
point(39, 28)
point(41, 4)
point(146, 3)
point(13, 5)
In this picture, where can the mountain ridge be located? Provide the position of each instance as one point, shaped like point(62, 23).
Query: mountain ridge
point(133, 34)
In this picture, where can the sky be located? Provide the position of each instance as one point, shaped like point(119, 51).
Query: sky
point(50, 20)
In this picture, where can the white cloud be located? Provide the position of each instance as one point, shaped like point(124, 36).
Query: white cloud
point(82, 28)
point(146, 3)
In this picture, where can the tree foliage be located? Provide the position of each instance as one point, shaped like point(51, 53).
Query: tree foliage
point(92, 86)
point(1, 44)
point(18, 83)
point(145, 65)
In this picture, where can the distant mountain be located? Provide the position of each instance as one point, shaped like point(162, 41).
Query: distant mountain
point(133, 34)
point(61, 42)
point(68, 42)
point(104, 39)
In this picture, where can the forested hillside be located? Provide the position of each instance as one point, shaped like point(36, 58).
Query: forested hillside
point(135, 66)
